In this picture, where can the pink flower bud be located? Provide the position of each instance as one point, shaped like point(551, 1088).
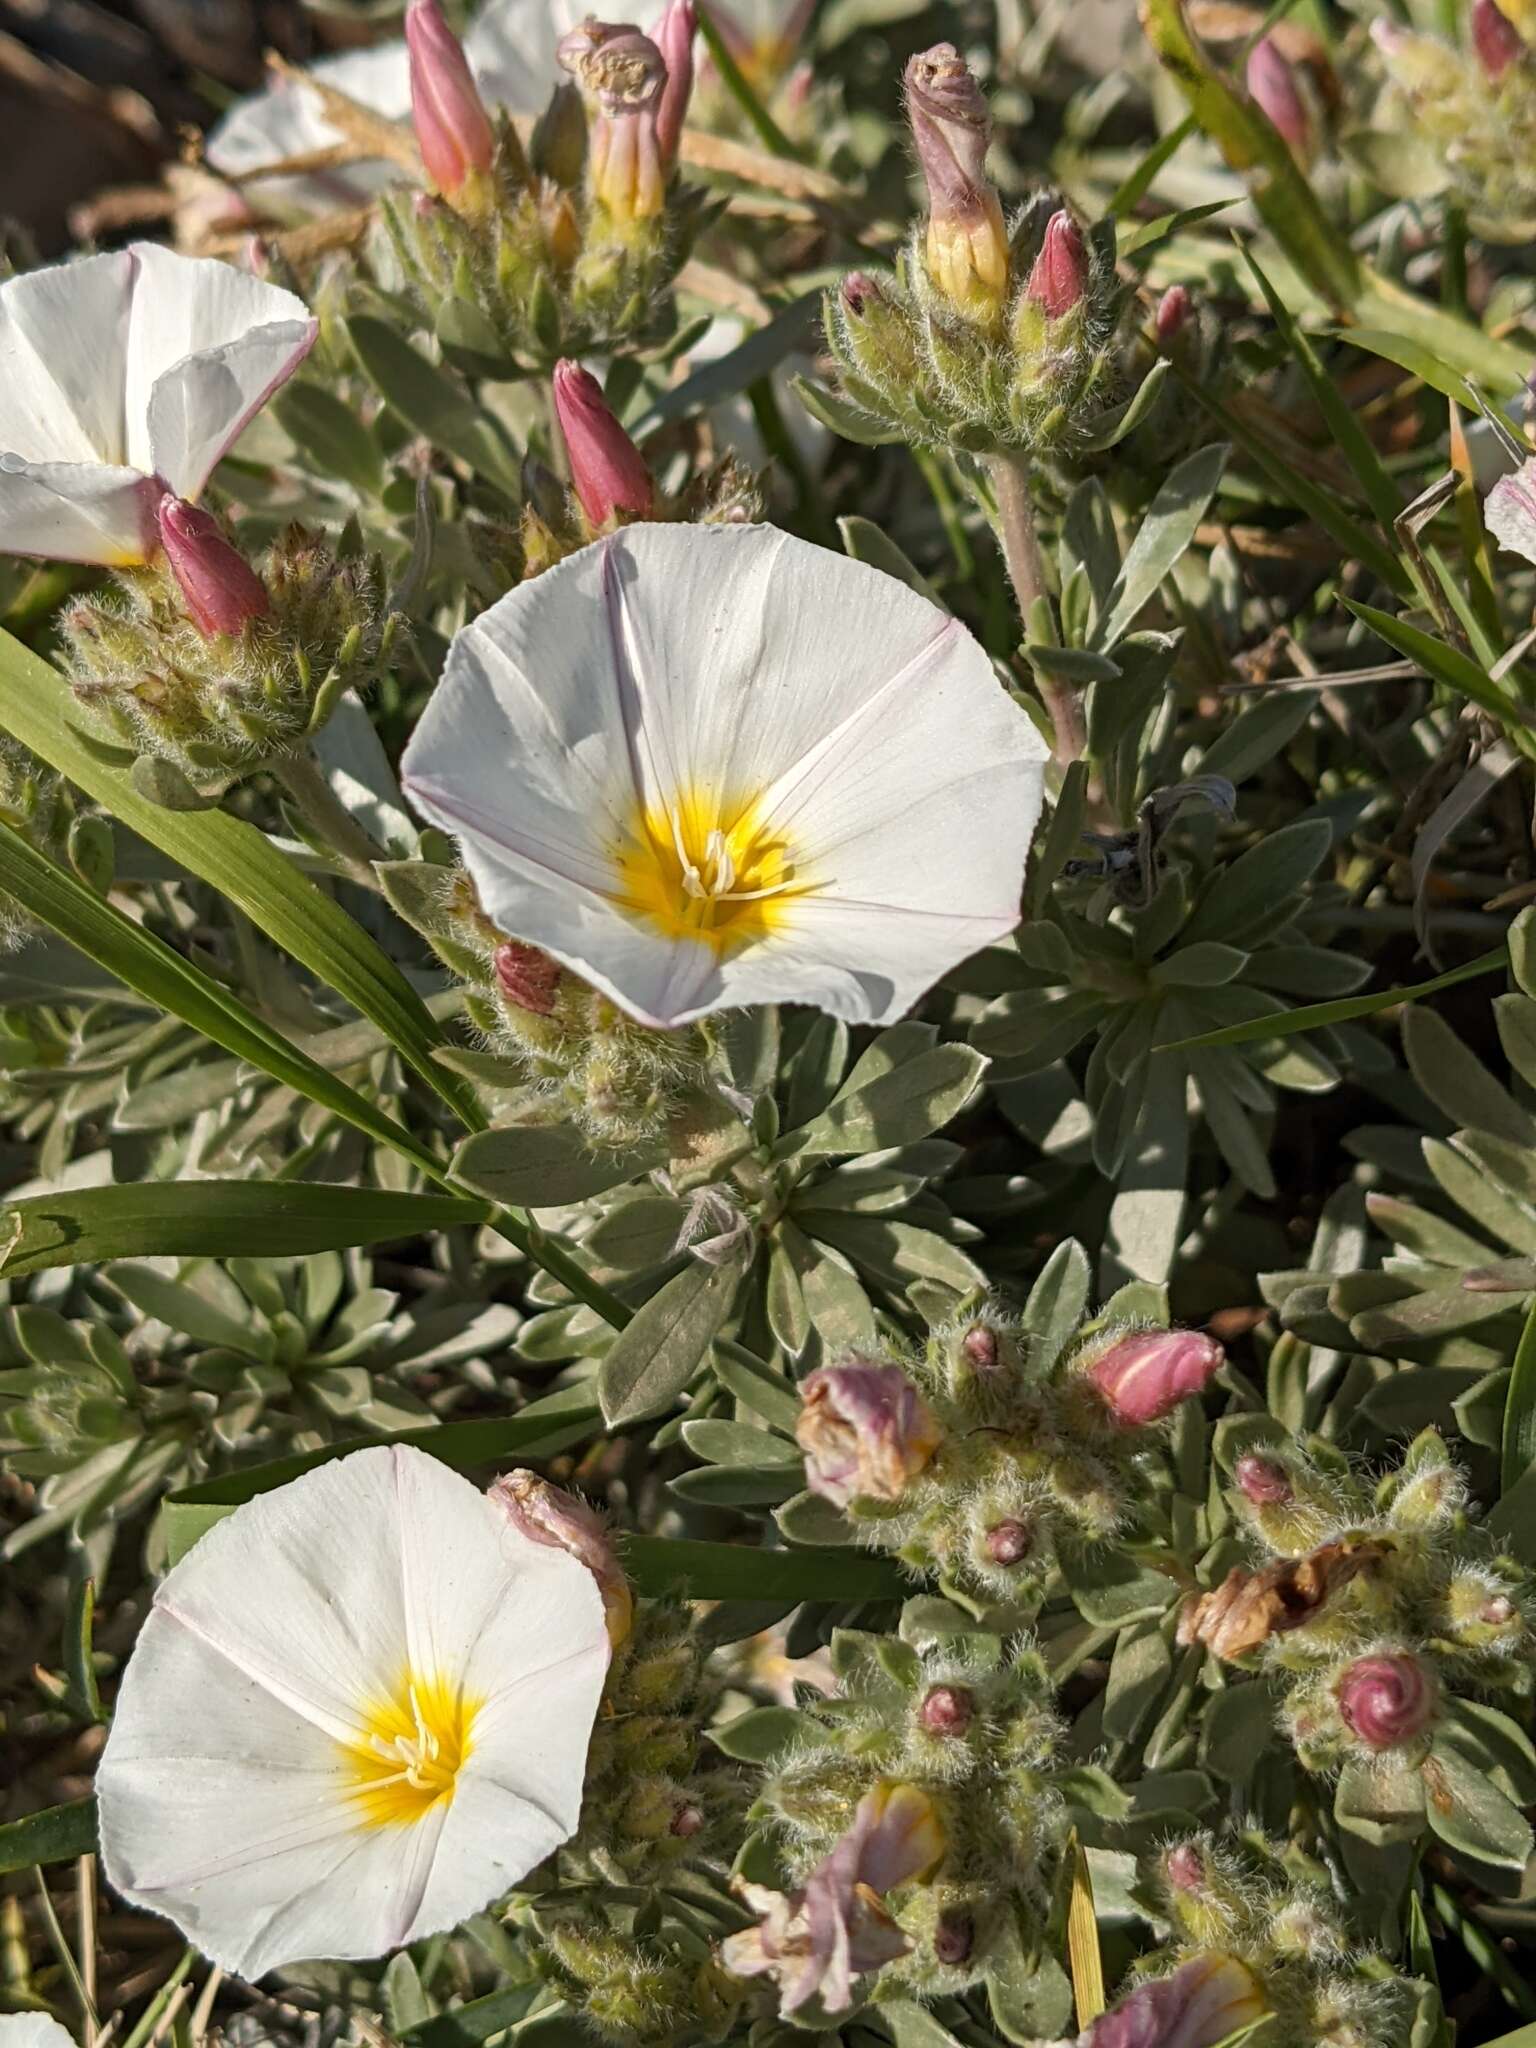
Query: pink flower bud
point(954, 1936)
point(674, 38)
point(947, 1710)
point(1174, 310)
point(859, 292)
point(1145, 1376)
point(1495, 38)
point(1390, 37)
point(1185, 1868)
point(865, 1431)
point(1263, 1482)
point(1386, 1700)
point(979, 1348)
point(548, 1515)
point(453, 130)
point(220, 589)
point(687, 1821)
point(967, 244)
point(1273, 89)
point(526, 977)
point(607, 469)
point(625, 75)
point(1199, 2005)
point(1497, 1611)
point(1060, 274)
point(1009, 1542)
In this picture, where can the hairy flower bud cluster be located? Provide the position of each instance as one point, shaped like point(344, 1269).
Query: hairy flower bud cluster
point(914, 1822)
point(214, 664)
point(1247, 1904)
point(1464, 119)
point(36, 803)
point(990, 335)
point(565, 248)
point(972, 1463)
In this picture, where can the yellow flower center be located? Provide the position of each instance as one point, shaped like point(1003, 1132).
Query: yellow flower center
point(707, 868)
point(409, 1752)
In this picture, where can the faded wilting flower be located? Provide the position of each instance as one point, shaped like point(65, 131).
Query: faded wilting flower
point(358, 1711)
point(453, 130)
point(1199, 2005)
point(1386, 1700)
point(1273, 88)
point(1248, 1607)
point(1509, 511)
point(624, 75)
point(865, 1431)
point(1144, 1377)
point(218, 586)
point(1059, 275)
point(548, 1514)
point(815, 1940)
point(608, 472)
point(711, 766)
point(966, 244)
point(127, 376)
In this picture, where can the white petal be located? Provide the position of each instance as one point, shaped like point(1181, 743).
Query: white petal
point(1509, 511)
point(743, 663)
point(75, 512)
point(207, 346)
point(227, 1793)
point(286, 121)
point(33, 2030)
point(63, 344)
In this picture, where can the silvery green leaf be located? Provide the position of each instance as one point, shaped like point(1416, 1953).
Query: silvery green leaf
point(1206, 964)
point(1306, 971)
point(883, 1104)
point(546, 1166)
point(1122, 420)
point(863, 541)
point(1507, 1219)
point(1138, 1676)
point(835, 1301)
point(1037, 1027)
point(1426, 1235)
point(810, 1519)
point(1165, 532)
point(1243, 897)
point(1056, 1303)
point(1380, 1803)
point(1470, 1814)
point(761, 1734)
point(654, 1357)
point(1457, 1082)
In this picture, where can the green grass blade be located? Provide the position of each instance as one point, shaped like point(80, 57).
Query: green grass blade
point(1257, 1029)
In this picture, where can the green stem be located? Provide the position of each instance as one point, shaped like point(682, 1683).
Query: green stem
point(328, 817)
point(1485, 1952)
point(1026, 572)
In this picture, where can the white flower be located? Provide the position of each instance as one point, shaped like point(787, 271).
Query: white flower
point(1509, 511)
point(710, 766)
point(123, 377)
point(357, 1713)
point(33, 2030)
point(511, 50)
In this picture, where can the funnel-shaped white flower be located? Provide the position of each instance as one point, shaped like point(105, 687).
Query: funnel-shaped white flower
point(710, 766)
point(123, 377)
point(358, 1711)
point(510, 45)
point(33, 2030)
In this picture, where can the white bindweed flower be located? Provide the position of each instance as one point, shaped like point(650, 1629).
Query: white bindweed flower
point(1509, 511)
point(33, 2030)
point(123, 377)
point(510, 45)
point(710, 766)
point(358, 1712)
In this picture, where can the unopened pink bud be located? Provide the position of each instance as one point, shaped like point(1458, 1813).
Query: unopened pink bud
point(1185, 1868)
point(674, 38)
point(859, 293)
point(979, 1345)
point(1009, 1543)
point(1273, 89)
point(607, 469)
point(1145, 1376)
point(1497, 1611)
point(547, 1514)
point(865, 1431)
point(954, 1937)
point(1174, 310)
point(1263, 1481)
point(453, 130)
point(687, 1821)
point(526, 977)
point(947, 1710)
point(1386, 1700)
point(1060, 274)
point(1198, 2005)
point(1495, 38)
point(220, 589)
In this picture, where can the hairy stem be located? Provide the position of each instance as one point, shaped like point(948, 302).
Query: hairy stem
point(1021, 552)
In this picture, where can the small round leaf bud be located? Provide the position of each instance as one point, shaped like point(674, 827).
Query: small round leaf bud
point(1385, 1701)
point(1263, 1481)
point(220, 589)
point(548, 1515)
point(607, 469)
point(1273, 89)
point(865, 1431)
point(1059, 277)
point(453, 130)
point(526, 977)
point(1009, 1542)
point(1495, 38)
point(947, 1710)
point(1145, 1376)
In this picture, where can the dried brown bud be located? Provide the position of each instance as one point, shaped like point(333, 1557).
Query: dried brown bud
point(1247, 1608)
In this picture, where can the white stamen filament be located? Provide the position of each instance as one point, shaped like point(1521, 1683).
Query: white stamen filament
point(417, 1755)
point(719, 871)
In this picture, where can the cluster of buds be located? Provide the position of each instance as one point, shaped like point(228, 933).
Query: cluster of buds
point(201, 659)
point(570, 245)
point(633, 1987)
point(914, 1825)
point(991, 335)
point(565, 1050)
point(971, 1463)
point(611, 481)
point(37, 803)
point(1466, 117)
point(1378, 1606)
point(1257, 1922)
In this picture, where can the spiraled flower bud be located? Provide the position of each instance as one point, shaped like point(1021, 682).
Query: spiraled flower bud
point(549, 1515)
point(1145, 1376)
point(1495, 38)
point(1199, 2005)
point(1386, 1700)
point(453, 130)
point(607, 469)
point(625, 75)
point(1174, 311)
point(1263, 1481)
point(967, 243)
point(674, 38)
point(1273, 89)
point(865, 1431)
point(947, 1710)
point(1009, 1542)
point(220, 589)
point(526, 977)
point(1059, 276)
